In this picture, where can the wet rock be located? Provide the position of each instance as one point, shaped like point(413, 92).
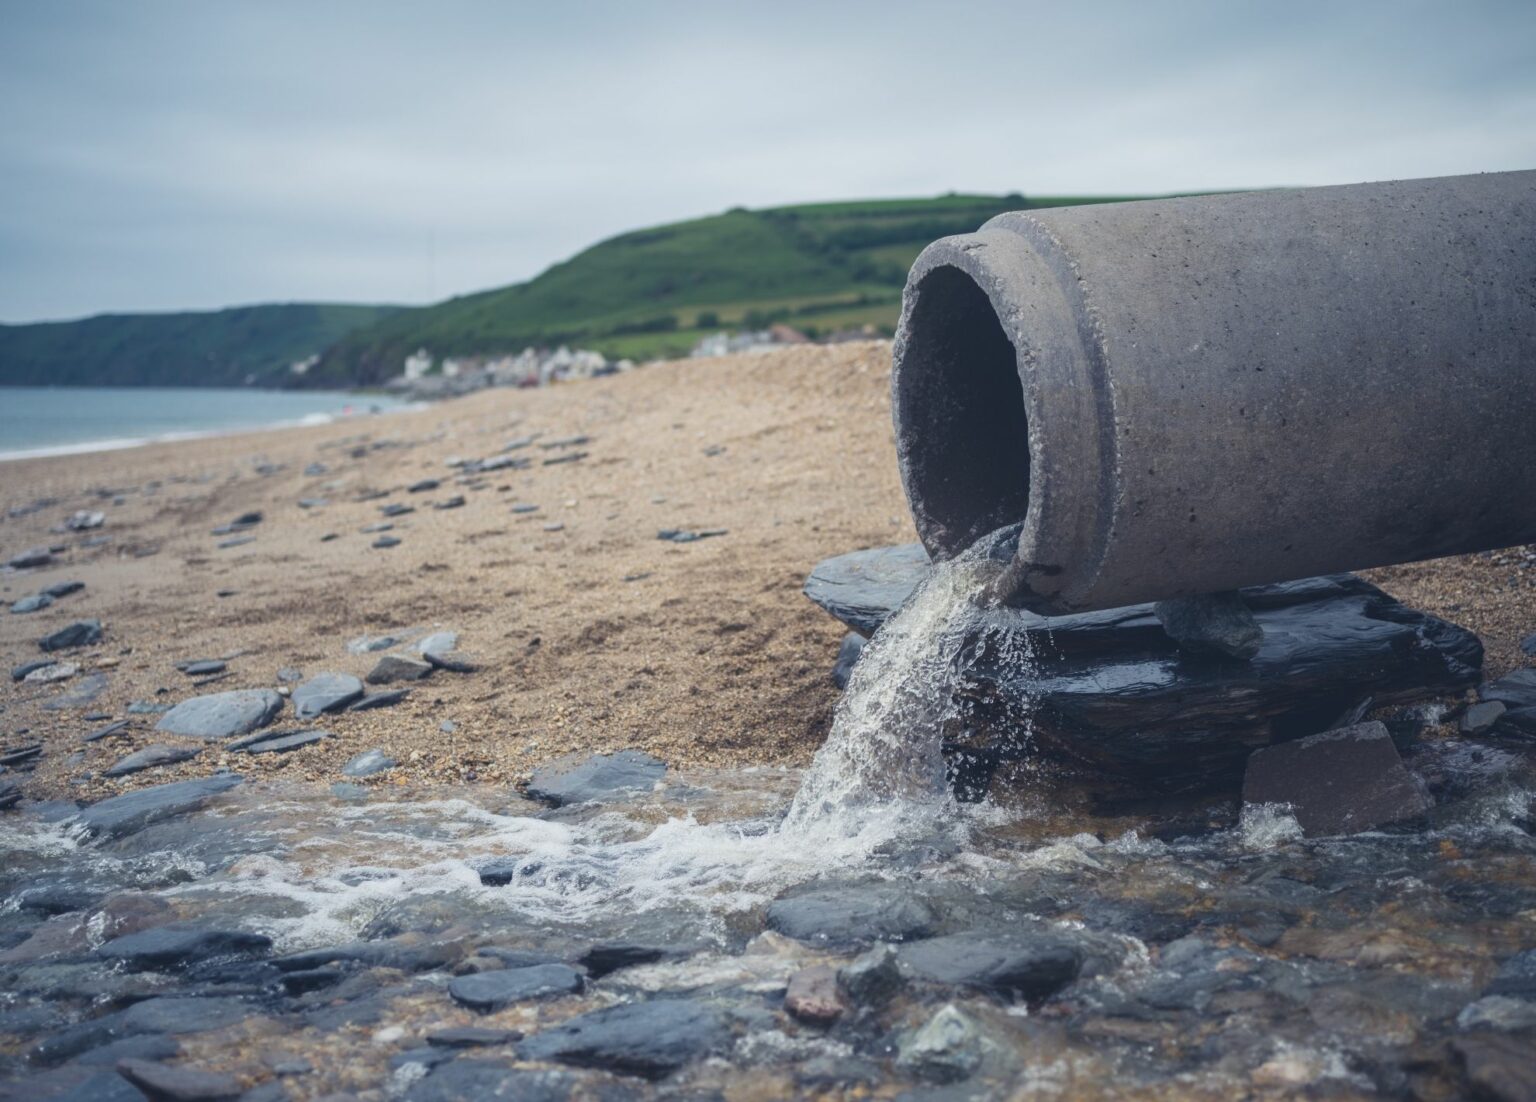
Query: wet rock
point(852, 915)
point(1517, 692)
point(813, 995)
point(370, 701)
point(1012, 964)
point(325, 692)
point(35, 603)
point(648, 1039)
point(477, 1080)
point(1499, 1065)
point(63, 589)
point(452, 661)
point(82, 633)
point(397, 667)
point(119, 816)
point(177, 1014)
point(14, 756)
point(873, 978)
point(368, 763)
point(305, 980)
point(862, 588)
point(487, 991)
point(222, 715)
point(470, 1036)
point(1516, 977)
point(175, 945)
point(167, 1083)
point(1480, 718)
point(150, 757)
point(149, 1046)
point(600, 777)
point(946, 1049)
point(10, 794)
point(202, 667)
point(1497, 1012)
point(848, 655)
point(601, 960)
point(1338, 782)
point(1112, 689)
point(283, 742)
point(1212, 623)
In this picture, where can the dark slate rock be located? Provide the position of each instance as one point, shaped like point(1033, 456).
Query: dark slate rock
point(1338, 782)
point(146, 1046)
point(1516, 977)
point(600, 960)
point(82, 633)
point(236, 541)
point(387, 698)
point(600, 777)
point(79, 695)
point(119, 816)
point(282, 742)
point(452, 661)
point(1514, 690)
point(397, 667)
point(852, 915)
point(325, 692)
point(454, 502)
point(873, 978)
point(482, 1081)
point(10, 794)
point(178, 1083)
point(396, 509)
point(35, 603)
point(105, 1086)
point(1480, 718)
point(222, 715)
point(386, 541)
point(106, 732)
point(1218, 624)
point(178, 1014)
point(19, 673)
point(684, 535)
point(203, 667)
point(179, 944)
point(864, 587)
point(494, 990)
point(368, 763)
point(1499, 1065)
point(36, 556)
point(63, 589)
point(1528, 645)
point(848, 655)
point(423, 486)
point(1015, 964)
point(649, 1039)
point(311, 979)
point(149, 758)
point(470, 1036)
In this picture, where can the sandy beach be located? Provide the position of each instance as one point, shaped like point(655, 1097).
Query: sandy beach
point(589, 632)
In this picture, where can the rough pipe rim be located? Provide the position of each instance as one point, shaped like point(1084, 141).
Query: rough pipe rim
point(997, 346)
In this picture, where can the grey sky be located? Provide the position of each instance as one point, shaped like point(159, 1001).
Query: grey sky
point(158, 156)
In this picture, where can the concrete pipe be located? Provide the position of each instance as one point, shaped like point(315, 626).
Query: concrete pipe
point(1182, 396)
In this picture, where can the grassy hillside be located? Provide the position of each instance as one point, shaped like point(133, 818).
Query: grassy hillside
point(654, 292)
point(217, 348)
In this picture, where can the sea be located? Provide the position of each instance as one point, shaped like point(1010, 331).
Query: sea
point(40, 421)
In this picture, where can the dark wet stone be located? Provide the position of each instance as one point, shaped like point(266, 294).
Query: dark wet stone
point(146, 1046)
point(1338, 782)
point(63, 589)
point(282, 742)
point(493, 990)
point(13, 756)
point(203, 667)
point(386, 541)
point(1528, 645)
point(82, 633)
point(1219, 624)
point(600, 777)
point(396, 509)
point(854, 915)
point(105, 1086)
point(848, 655)
point(397, 667)
point(79, 695)
point(1480, 718)
point(423, 486)
point(119, 816)
point(325, 692)
point(19, 673)
point(684, 535)
point(469, 1036)
point(454, 502)
point(36, 556)
point(106, 732)
point(177, 944)
point(150, 757)
point(178, 1083)
point(177, 1014)
point(945, 1049)
point(873, 978)
point(367, 764)
point(10, 794)
point(236, 541)
point(1515, 690)
point(862, 588)
point(1014, 964)
point(813, 995)
point(310, 979)
point(1499, 1065)
point(600, 960)
point(477, 1080)
point(35, 603)
point(1516, 977)
point(222, 715)
point(649, 1039)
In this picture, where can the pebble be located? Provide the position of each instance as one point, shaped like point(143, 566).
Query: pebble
point(150, 757)
point(1480, 718)
point(398, 667)
point(325, 692)
point(439, 642)
point(423, 486)
point(63, 589)
point(469, 1036)
point(236, 541)
point(368, 763)
point(105, 732)
point(873, 978)
point(201, 667)
point(454, 502)
point(396, 509)
point(571, 457)
point(83, 520)
point(489, 991)
point(82, 633)
point(683, 535)
point(386, 541)
point(19, 673)
point(523, 508)
point(36, 556)
point(946, 1049)
point(222, 715)
point(284, 742)
point(35, 603)
point(554, 526)
point(848, 655)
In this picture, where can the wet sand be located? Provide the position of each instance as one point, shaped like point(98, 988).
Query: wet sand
point(592, 637)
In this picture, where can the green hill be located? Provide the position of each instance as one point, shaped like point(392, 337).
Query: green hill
point(819, 267)
point(235, 347)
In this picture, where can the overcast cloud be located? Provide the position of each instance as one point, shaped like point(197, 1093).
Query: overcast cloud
point(161, 156)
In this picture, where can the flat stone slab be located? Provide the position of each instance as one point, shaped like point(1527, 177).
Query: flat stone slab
point(851, 915)
point(281, 742)
point(600, 777)
point(398, 667)
point(1337, 782)
point(1012, 964)
point(222, 715)
point(82, 633)
point(118, 816)
point(149, 758)
point(494, 990)
point(325, 692)
point(649, 1039)
point(177, 944)
point(1113, 690)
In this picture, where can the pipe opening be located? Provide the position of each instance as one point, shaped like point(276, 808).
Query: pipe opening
point(964, 427)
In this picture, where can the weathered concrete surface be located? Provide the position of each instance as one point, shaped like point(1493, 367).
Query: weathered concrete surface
point(1189, 395)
